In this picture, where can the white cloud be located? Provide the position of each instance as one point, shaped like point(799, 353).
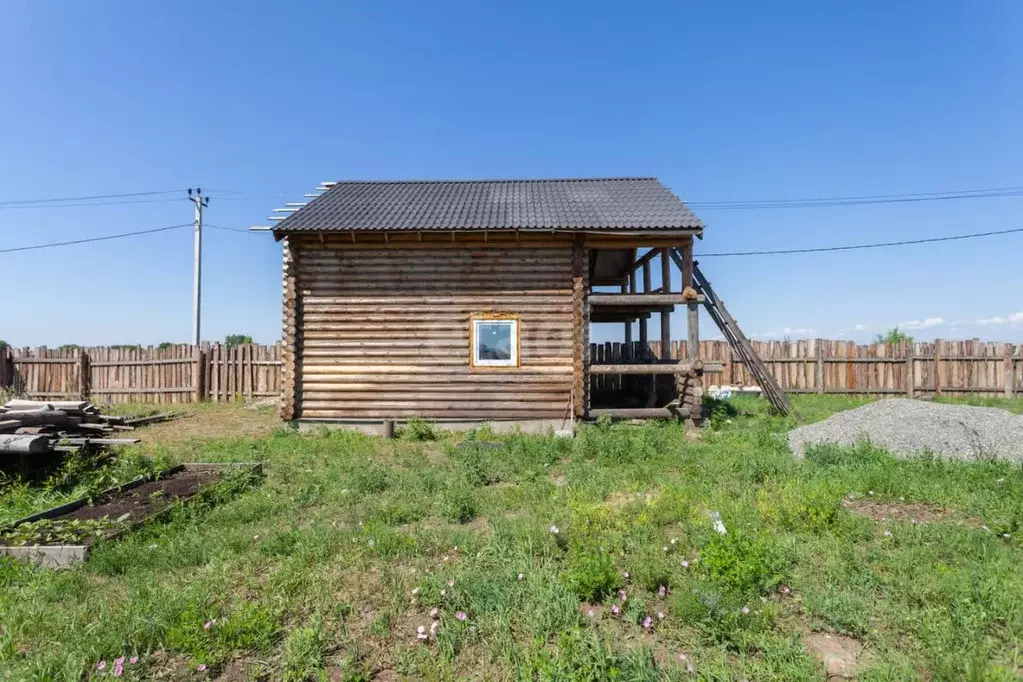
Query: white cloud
point(787, 331)
point(1014, 318)
point(861, 328)
point(922, 324)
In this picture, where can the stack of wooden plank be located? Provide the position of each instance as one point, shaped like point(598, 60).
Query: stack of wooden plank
point(34, 427)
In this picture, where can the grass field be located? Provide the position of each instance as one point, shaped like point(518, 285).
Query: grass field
point(529, 558)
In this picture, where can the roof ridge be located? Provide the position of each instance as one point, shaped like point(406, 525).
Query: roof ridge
point(492, 180)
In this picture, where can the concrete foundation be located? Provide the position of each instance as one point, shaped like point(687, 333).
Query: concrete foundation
point(379, 427)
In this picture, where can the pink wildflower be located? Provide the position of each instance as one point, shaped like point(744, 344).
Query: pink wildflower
point(660, 615)
point(685, 564)
point(662, 591)
point(615, 610)
point(210, 623)
point(133, 660)
point(101, 665)
point(785, 590)
point(626, 574)
point(421, 632)
point(118, 669)
point(460, 615)
point(451, 583)
point(648, 623)
point(622, 596)
point(887, 533)
point(434, 626)
point(202, 667)
point(433, 613)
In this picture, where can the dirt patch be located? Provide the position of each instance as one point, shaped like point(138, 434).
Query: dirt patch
point(843, 657)
point(240, 670)
point(590, 613)
point(149, 498)
point(912, 512)
point(209, 421)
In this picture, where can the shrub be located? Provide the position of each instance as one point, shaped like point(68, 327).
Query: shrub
point(722, 616)
point(590, 574)
point(233, 340)
point(370, 479)
point(741, 563)
point(472, 460)
point(814, 510)
point(417, 429)
point(459, 503)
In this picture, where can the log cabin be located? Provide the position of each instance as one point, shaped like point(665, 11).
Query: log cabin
point(471, 301)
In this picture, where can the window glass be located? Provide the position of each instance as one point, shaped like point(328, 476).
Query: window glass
point(495, 342)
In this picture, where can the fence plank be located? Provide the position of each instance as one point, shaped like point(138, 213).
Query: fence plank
point(186, 373)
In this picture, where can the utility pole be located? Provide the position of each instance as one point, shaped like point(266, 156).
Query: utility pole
point(200, 203)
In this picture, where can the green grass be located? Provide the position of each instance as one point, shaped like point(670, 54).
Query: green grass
point(328, 566)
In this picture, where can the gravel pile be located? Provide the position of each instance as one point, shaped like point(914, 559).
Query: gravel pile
point(909, 427)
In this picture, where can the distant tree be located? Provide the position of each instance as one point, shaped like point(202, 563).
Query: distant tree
point(893, 335)
point(237, 340)
point(68, 346)
point(3, 344)
point(164, 345)
point(126, 346)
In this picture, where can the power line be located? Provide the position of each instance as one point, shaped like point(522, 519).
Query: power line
point(853, 247)
point(815, 202)
point(88, 203)
point(230, 229)
point(94, 239)
point(96, 197)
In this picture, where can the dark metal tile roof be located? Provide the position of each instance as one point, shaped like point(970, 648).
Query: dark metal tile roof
point(592, 204)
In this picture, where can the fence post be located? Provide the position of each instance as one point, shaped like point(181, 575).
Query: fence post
point(84, 382)
point(200, 374)
point(937, 366)
point(1010, 375)
point(910, 369)
point(819, 378)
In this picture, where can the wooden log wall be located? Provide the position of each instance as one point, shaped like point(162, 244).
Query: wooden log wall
point(385, 332)
point(825, 366)
point(176, 374)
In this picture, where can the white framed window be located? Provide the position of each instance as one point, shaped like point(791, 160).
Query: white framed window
point(495, 340)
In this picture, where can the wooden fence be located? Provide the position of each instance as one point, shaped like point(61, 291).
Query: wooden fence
point(822, 366)
point(177, 374)
point(181, 374)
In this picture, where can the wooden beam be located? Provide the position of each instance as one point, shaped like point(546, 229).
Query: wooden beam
point(665, 316)
point(628, 323)
point(658, 368)
point(640, 299)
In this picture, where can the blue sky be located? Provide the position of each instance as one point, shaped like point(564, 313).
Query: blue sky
point(259, 101)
